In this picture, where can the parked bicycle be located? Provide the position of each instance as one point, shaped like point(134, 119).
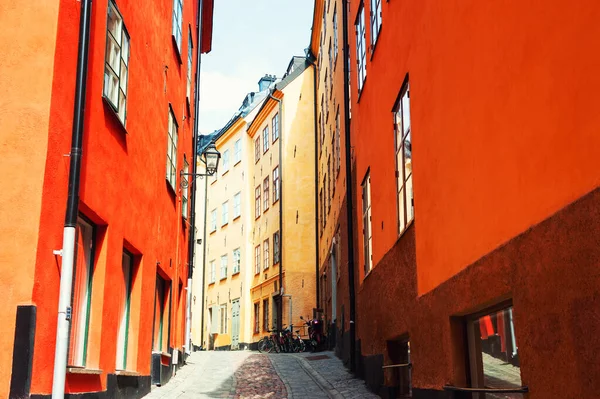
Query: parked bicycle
point(282, 341)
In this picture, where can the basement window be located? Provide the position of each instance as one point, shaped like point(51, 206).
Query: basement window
point(116, 66)
point(493, 353)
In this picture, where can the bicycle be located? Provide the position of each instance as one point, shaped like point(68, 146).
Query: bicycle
point(270, 342)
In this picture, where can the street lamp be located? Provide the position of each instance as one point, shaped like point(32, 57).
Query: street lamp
point(210, 158)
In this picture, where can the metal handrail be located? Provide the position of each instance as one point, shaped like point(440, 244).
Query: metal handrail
point(523, 389)
point(391, 366)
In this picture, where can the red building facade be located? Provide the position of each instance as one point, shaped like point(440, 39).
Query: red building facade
point(477, 270)
point(127, 328)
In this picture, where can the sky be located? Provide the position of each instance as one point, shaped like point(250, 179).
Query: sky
point(251, 38)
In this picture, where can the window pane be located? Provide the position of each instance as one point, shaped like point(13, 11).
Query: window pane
point(111, 86)
point(410, 210)
point(122, 102)
point(123, 78)
point(401, 210)
point(124, 309)
point(115, 22)
point(125, 48)
point(406, 110)
point(113, 54)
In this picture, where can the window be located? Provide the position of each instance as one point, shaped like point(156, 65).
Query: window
point(266, 254)
point(189, 66)
point(265, 137)
point(237, 199)
point(223, 274)
point(404, 183)
point(493, 352)
point(161, 298)
point(335, 32)
point(276, 250)
point(236, 261)
point(375, 21)
point(321, 210)
point(256, 318)
point(224, 213)
point(257, 259)
point(177, 22)
point(361, 52)
point(257, 149)
point(330, 70)
point(127, 273)
point(338, 148)
point(223, 314)
point(266, 194)
point(329, 191)
point(276, 184)
point(185, 191)
point(275, 127)
point(82, 286)
point(213, 220)
point(172, 151)
point(265, 315)
point(225, 161)
point(213, 271)
point(366, 217)
point(257, 202)
point(116, 67)
point(237, 150)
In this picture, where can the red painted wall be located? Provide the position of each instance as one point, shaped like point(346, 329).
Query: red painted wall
point(503, 100)
point(123, 189)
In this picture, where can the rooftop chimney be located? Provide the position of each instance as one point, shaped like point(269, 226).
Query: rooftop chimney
point(265, 82)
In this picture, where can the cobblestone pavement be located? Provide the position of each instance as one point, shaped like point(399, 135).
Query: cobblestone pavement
point(249, 375)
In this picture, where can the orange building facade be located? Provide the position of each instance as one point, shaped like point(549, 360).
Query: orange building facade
point(127, 315)
point(478, 270)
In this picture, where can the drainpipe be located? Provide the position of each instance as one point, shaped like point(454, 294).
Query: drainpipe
point(312, 61)
point(68, 250)
point(280, 310)
point(204, 260)
point(192, 235)
point(349, 200)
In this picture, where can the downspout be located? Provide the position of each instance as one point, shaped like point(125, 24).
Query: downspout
point(280, 310)
point(349, 200)
point(192, 235)
point(68, 250)
point(312, 61)
point(204, 261)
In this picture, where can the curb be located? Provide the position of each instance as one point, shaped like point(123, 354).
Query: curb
point(287, 386)
point(318, 379)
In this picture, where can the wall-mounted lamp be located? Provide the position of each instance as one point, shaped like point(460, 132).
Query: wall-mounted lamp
point(210, 158)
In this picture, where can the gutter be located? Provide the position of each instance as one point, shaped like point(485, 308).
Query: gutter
point(349, 199)
point(70, 226)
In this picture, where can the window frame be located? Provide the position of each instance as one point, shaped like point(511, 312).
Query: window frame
point(375, 17)
point(213, 271)
point(257, 259)
point(223, 269)
point(275, 127)
point(257, 149)
point(173, 138)
point(190, 64)
point(177, 23)
point(237, 261)
point(265, 139)
point(225, 213)
point(276, 247)
point(256, 317)
point(223, 318)
point(237, 151)
point(403, 179)
point(361, 44)
point(265, 200)
point(266, 257)
point(276, 185)
point(265, 314)
point(213, 220)
point(335, 34)
point(225, 162)
point(257, 202)
point(185, 189)
point(123, 336)
point(237, 205)
point(367, 224)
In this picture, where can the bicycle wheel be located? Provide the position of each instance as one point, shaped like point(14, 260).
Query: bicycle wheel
point(301, 345)
point(262, 345)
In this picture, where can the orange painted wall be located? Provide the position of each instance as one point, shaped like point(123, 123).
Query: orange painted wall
point(504, 121)
point(123, 186)
point(25, 89)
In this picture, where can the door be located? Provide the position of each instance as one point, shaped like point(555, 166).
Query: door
point(235, 324)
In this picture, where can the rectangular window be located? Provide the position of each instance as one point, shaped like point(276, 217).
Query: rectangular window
point(225, 161)
point(256, 318)
point(266, 193)
point(361, 51)
point(403, 140)
point(338, 148)
point(223, 313)
point(257, 202)
point(265, 138)
point(330, 69)
point(375, 21)
point(116, 67)
point(172, 151)
point(276, 184)
point(224, 213)
point(177, 22)
point(190, 63)
point(237, 149)
point(257, 259)
point(223, 274)
point(329, 191)
point(237, 202)
point(161, 320)
point(493, 352)
point(213, 220)
point(236, 261)
point(213, 271)
point(335, 32)
point(185, 191)
point(82, 291)
point(276, 250)
point(125, 309)
point(257, 149)
point(266, 254)
point(366, 218)
point(275, 127)
point(265, 315)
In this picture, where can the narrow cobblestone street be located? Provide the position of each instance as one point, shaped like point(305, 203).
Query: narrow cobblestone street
point(250, 375)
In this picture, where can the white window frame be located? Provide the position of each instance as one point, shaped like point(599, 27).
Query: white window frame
point(257, 259)
point(224, 213)
point(367, 227)
point(213, 220)
point(236, 260)
point(237, 205)
point(403, 140)
point(223, 319)
point(266, 254)
point(265, 138)
point(375, 21)
point(213, 272)
point(223, 270)
point(177, 30)
point(172, 150)
point(361, 47)
point(190, 64)
point(185, 190)
point(257, 149)
point(116, 77)
point(237, 149)
point(276, 184)
point(266, 194)
point(257, 203)
point(275, 127)
point(276, 247)
point(335, 33)
point(225, 161)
